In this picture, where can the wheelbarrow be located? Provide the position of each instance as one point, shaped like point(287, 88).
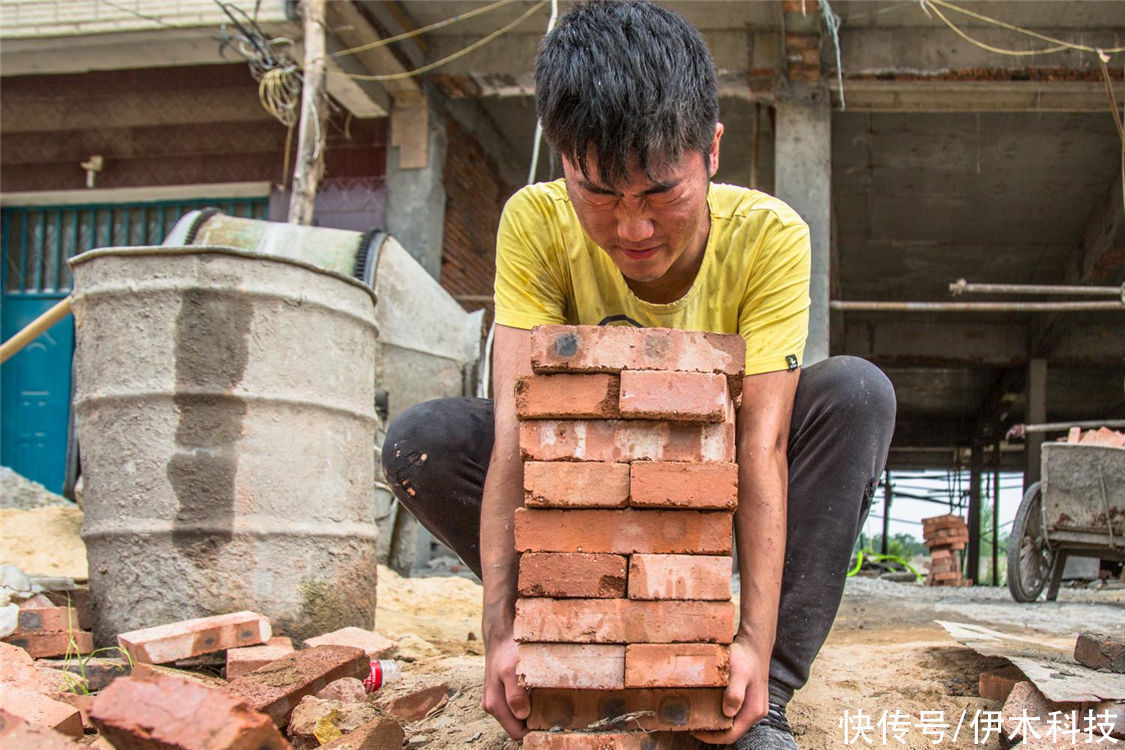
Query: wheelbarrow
point(1077, 509)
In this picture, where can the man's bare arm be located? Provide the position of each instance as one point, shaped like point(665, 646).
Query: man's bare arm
point(503, 493)
point(763, 476)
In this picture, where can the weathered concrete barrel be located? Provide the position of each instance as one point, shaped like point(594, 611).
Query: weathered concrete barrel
point(225, 405)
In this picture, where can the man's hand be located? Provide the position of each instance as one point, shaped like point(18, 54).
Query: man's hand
point(503, 697)
point(747, 695)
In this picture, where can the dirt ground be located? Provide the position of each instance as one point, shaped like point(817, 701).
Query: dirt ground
point(885, 653)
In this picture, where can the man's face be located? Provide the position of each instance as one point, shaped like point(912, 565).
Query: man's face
point(654, 229)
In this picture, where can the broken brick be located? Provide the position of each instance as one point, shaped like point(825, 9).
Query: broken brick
point(17, 733)
point(662, 709)
point(243, 660)
point(81, 702)
point(567, 575)
point(417, 704)
point(1100, 651)
point(623, 532)
point(571, 665)
point(276, 688)
point(187, 638)
point(152, 671)
point(997, 684)
point(40, 710)
point(609, 741)
point(679, 484)
point(676, 665)
point(564, 396)
point(158, 711)
point(373, 644)
point(381, 733)
point(679, 396)
point(312, 711)
point(92, 673)
point(625, 440)
point(19, 670)
point(700, 577)
point(623, 621)
point(576, 484)
point(345, 690)
point(47, 643)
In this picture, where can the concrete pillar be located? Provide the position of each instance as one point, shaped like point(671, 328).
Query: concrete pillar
point(415, 204)
point(1036, 414)
point(976, 467)
point(803, 179)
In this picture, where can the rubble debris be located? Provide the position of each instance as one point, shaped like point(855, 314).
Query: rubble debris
point(313, 716)
point(1026, 701)
point(345, 689)
point(381, 733)
point(18, 669)
point(17, 733)
point(276, 688)
point(997, 684)
point(36, 708)
point(375, 645)
point(247, 659)
point(945, 536)
point(159, 711)
point(181, 640)
point(417, 704)
point(17, 491)
point(1100, 651)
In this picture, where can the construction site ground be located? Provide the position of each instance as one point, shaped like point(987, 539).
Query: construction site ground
point(885, 652)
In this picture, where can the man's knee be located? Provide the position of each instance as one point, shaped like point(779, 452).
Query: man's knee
point(854, 387)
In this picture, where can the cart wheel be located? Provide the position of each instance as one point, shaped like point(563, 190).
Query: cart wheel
point(1030, 562)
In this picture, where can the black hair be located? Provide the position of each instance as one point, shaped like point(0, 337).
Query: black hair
point(625, 79)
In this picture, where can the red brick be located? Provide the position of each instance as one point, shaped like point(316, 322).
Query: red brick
point(571, 665)
point(623, 532)
point(38, 619)
point(38, 709)
point(625, 440)
point(167, 712)
point(45, 644)
point(1113, 714)
point(1026, 697)
point(576, 484)
point(277, 688)
point(345, 690)
point(80, 702)
point(77, 599)
point(937, 523)
point(700, 577)
point(156, 671)
point(623, 621)
point(609, 741)
point(567, 575)
point(187, 638)
point(1100, 651)
point(567, 396)
point(18, 669)
point(681, 396)
point(379, 734)
point(677, 665)
point(680, 484)
point(373, 644)
point(416, 704)
point(243, 660)
point(997, 684)
point(18, 734)
point(656, 710)
point(616, 348)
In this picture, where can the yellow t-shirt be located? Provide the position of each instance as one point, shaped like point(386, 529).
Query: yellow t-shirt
point(754, 279)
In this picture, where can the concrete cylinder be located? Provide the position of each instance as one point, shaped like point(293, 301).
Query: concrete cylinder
point(225, 406)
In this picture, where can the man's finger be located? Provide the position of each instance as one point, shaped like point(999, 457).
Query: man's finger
point(733, 697)
point(503, 714)
point(517, 699)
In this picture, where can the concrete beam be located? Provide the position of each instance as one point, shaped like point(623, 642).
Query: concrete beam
point(364, 99)
point(934, 95)
point(803, 179)
point(1035, 413)
point(351, 25)
point(920, 343)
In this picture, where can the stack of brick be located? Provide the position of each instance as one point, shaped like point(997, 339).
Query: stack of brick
point(44, 630)
point(624, 618)
point(945, 536)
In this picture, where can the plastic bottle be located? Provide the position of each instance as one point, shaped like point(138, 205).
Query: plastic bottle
point(382, 672)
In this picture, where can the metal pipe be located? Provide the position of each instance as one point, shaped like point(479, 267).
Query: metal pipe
point(872, 306)
point(961, 286)
point(1018, 431)
point(32, 330)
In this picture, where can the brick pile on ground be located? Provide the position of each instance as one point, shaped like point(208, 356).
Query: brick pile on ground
point(274, 697)
point(45, 630)
point(624, 616)
point(1101, 436)
point(946, 537)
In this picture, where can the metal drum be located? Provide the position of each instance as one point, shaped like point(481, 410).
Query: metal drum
point(225, 405)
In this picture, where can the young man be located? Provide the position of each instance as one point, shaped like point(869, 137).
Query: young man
point(636, 234)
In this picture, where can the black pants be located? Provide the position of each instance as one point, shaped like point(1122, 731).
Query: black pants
point(436, 455)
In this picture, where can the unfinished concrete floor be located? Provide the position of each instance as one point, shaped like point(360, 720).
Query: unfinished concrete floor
point(884, 653)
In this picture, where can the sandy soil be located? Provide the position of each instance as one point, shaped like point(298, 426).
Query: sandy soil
point(885, 653)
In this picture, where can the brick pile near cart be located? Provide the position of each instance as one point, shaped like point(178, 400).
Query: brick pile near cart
point(624, 618)
point(945, 536)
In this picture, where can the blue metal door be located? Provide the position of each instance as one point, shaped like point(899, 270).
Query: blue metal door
point(35, 242)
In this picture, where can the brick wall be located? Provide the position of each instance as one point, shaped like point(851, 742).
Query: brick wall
point(475, 195)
